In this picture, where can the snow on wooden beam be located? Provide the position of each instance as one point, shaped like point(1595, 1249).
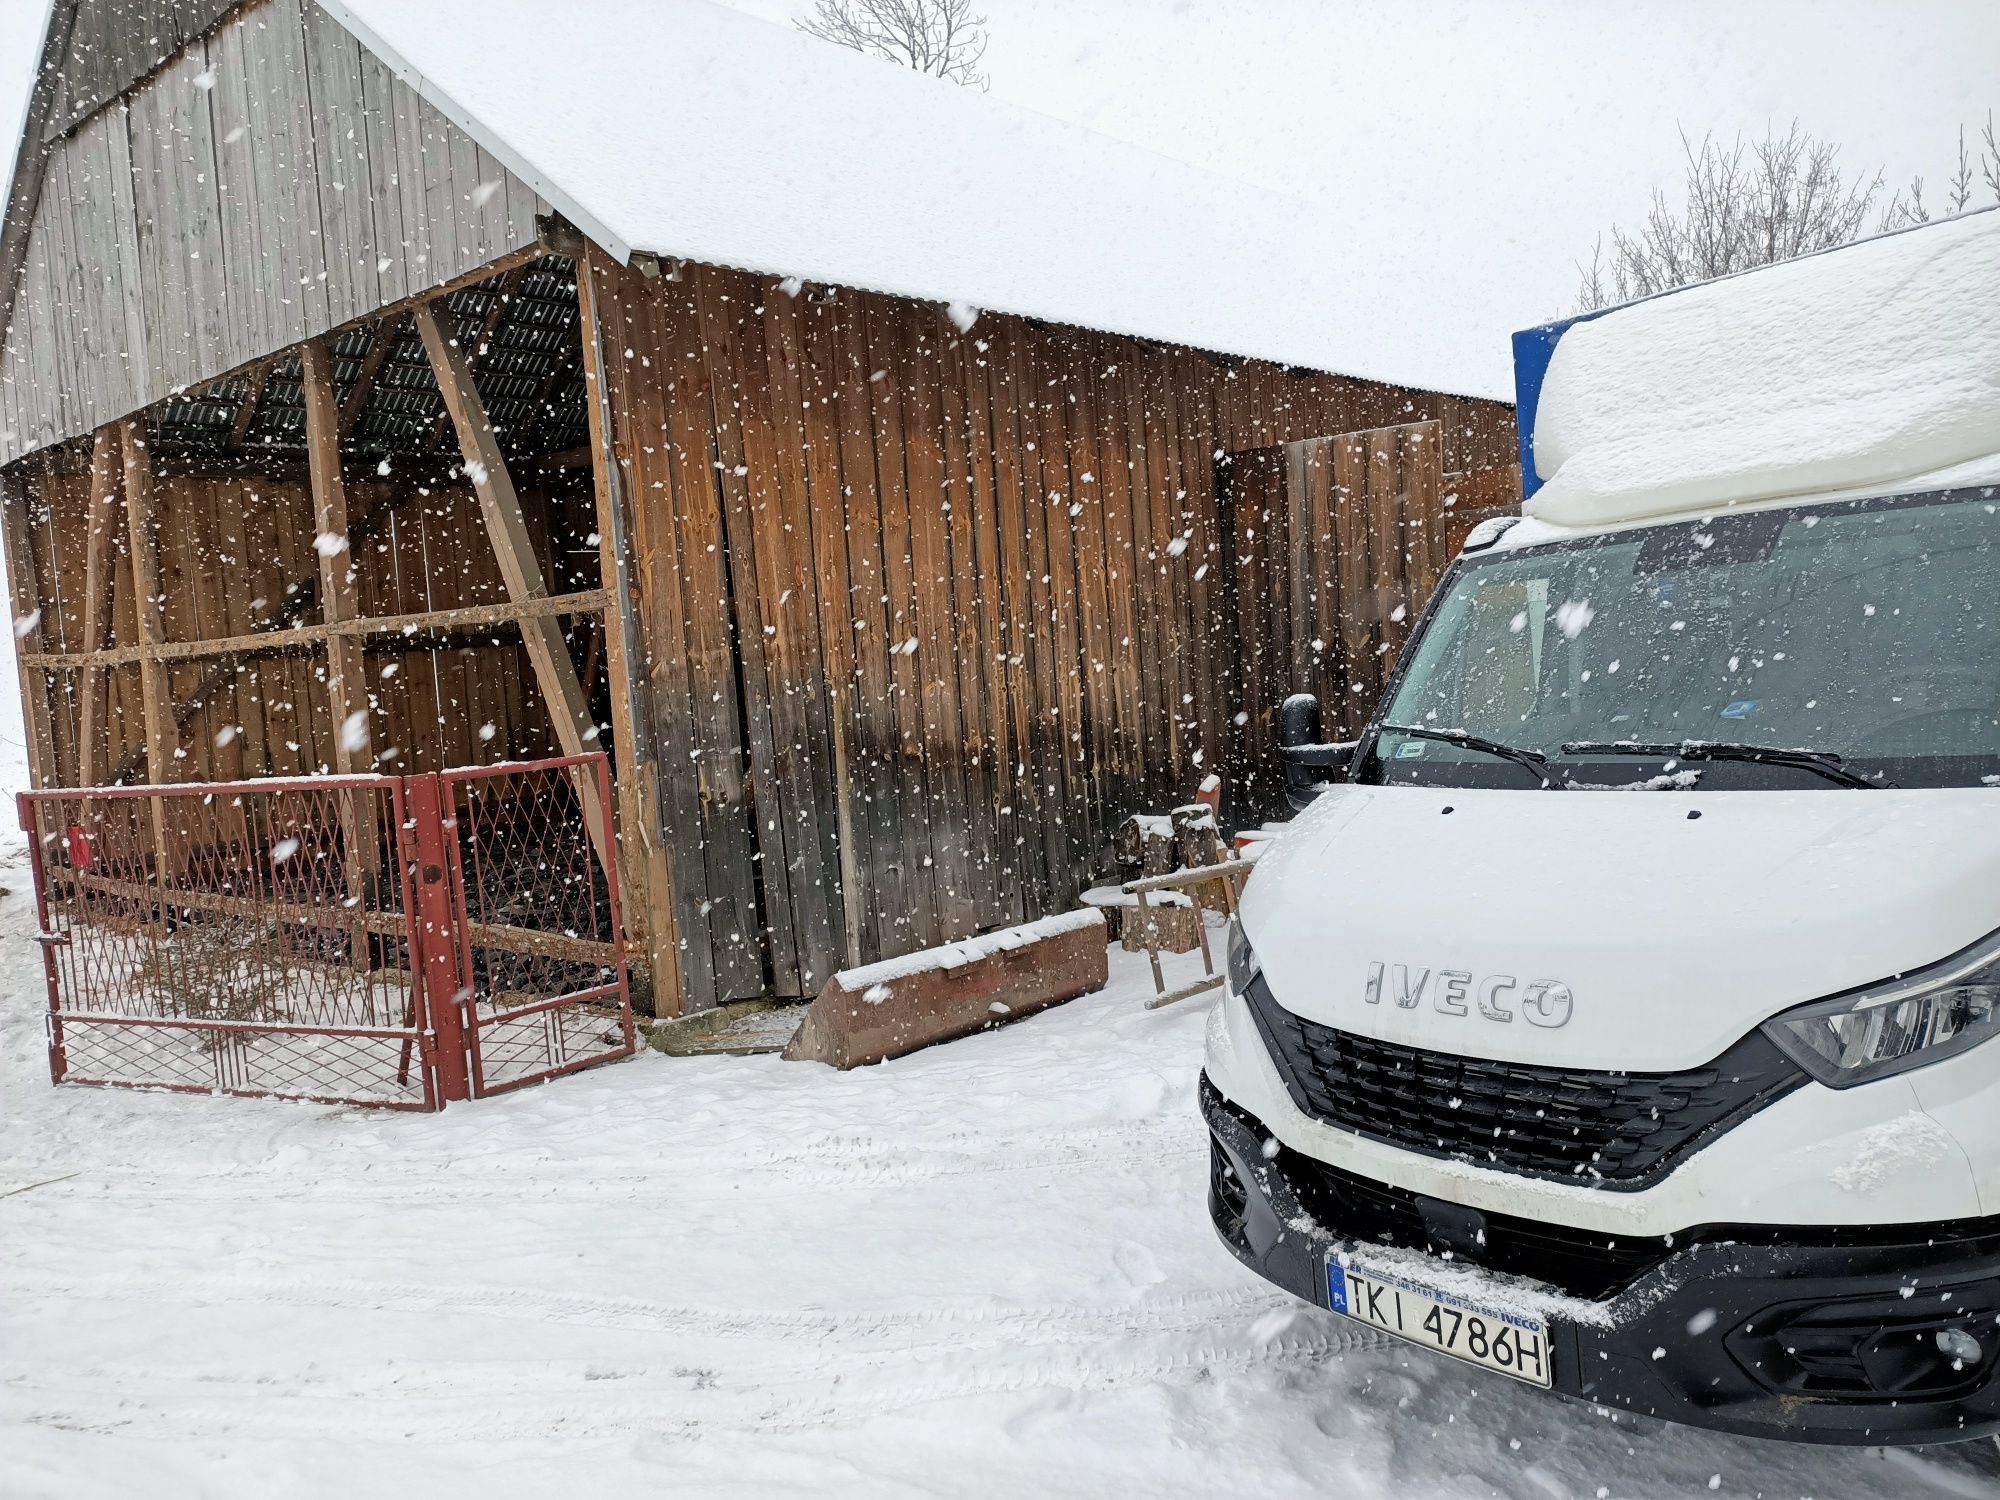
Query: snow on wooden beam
point(886, 1009)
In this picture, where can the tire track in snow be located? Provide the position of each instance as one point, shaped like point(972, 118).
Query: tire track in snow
point(837, 1162)
point(481, 1402)
point(1098, 1320)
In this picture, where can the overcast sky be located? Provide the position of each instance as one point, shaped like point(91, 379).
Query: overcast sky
point(1477, 146)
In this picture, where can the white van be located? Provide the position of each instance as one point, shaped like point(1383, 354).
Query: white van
point(1618, 1013)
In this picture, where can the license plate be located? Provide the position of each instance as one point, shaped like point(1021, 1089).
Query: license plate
point(1489, 1337)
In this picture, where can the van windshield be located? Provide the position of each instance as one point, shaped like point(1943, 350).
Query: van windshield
point(1866, 629)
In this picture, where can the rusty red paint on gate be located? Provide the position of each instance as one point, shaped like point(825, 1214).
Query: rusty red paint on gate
point(331, 938)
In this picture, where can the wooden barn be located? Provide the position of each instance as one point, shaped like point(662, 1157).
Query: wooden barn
point(901, 487)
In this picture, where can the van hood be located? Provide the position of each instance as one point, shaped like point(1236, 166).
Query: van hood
point(1637, 935)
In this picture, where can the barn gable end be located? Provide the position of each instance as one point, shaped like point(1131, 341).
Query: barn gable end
point(216, 213)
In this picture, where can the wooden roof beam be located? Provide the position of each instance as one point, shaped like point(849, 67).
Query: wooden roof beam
point(381, 344)
point(246, 409)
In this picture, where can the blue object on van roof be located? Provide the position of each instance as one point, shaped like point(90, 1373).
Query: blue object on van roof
point(1533, 349)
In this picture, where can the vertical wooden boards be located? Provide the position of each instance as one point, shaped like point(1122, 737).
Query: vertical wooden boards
point(645, 875)
point(828, 507)
point(182, 285)
point(1056, 598)
point(25, 593)
point(344, 178)
point(1359, 515)
point(974, 599)
point(877, 750)
point(744, 467)
point(1318, 586)
point(1259, 579)
point(933, 626)
point(1423, 516)
point(231, 552)
point(1040, 773)
point(768, 358)
point(656, 387)
point(695, 601)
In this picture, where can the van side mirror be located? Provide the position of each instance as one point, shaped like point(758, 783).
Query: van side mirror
point(1309, 762)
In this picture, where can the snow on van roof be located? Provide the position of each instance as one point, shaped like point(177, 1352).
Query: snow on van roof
point(1867, 369)
point(686, 129)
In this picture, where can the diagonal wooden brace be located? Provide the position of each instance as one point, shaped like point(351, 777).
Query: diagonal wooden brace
point(500, 506)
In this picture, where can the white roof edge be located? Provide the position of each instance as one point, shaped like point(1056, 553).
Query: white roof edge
point(690, 129)
point(1978, 474)
point(550, 191)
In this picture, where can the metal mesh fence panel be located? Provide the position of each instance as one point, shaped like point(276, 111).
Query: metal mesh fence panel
point(270, 938)
point(543, 961)
point(240, 938)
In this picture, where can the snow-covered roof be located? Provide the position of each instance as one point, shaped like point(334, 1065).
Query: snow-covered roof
point(1867, 369)
point(687, 129)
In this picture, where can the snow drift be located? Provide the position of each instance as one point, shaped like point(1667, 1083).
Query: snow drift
point(1875, 367)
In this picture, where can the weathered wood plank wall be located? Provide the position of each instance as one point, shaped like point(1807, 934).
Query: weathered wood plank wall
point(271, 182)
point(231, 551)
point(927, 610)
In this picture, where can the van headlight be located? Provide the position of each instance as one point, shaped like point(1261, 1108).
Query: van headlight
point(1243, 965)
point(1903, 1023)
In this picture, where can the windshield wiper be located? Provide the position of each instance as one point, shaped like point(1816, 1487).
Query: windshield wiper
point(1532, 760)
point(1822, 762)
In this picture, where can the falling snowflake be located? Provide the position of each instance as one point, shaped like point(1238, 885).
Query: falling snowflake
point(354, 731)
point(1572, 616)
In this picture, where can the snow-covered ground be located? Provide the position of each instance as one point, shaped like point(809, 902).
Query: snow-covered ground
point(981, 1270)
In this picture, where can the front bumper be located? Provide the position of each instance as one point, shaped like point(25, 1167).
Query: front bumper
point(1745, 1329)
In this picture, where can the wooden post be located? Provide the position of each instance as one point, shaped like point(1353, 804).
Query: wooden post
point(500, 506)
point(346, 671)
point(346, 662)
point(143, 537)
point(97, 598)
point(24, 587)
point(646, 875)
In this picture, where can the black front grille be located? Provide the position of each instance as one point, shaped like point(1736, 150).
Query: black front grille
point(1577, 1261)
point(1606, 1129)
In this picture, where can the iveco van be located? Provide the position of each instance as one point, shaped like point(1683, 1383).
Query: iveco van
point(1618, 1014)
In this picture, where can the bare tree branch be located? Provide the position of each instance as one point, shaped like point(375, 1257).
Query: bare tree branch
point(1749, 205)
point(1989, 159)
point(940, 37)
point(1742, 205)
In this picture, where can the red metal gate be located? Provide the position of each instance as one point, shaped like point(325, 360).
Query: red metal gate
point(392, 941)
